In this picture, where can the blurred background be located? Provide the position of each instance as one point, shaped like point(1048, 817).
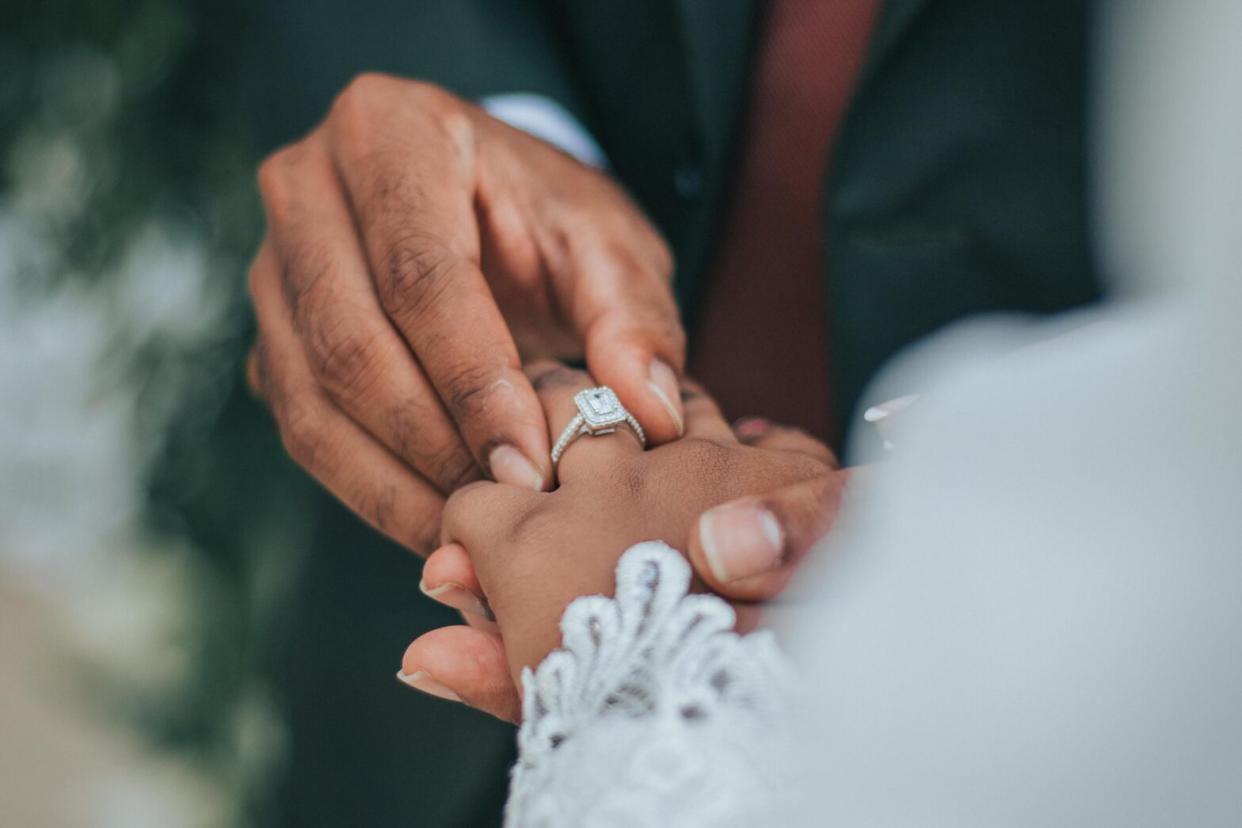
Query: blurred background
point(193, 633)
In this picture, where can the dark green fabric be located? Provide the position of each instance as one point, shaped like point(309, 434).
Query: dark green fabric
point(958, 185)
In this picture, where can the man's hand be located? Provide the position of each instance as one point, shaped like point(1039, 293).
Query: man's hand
point(415, 248)
point(527, 555)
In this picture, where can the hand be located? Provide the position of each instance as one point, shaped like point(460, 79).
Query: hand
point(529, 554)
point(415, 247)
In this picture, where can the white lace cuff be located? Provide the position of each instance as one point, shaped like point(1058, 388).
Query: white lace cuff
point(655, 712)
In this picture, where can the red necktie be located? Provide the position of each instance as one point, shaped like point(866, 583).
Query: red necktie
point(761, 342)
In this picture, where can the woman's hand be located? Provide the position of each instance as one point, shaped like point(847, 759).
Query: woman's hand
point(528, 554)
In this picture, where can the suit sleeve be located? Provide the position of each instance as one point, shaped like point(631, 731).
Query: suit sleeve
point(295, 56)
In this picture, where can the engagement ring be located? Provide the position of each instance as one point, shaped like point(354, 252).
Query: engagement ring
point(599, 412)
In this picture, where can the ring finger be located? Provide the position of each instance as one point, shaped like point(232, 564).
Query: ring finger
point(556, 386)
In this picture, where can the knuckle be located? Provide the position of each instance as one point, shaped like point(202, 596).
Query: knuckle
point(458, 130)
point(301, 430)
point(274, 177)
point(438, 108)
point(427, 96)
point(468, 389)
point(354, 112)
point(452, 467)
point(580, 230)
point(417, 529)
point(415, 271)
point(374, 104)
point(363, 89)
point(343, 353)
point(302, 275)
point(445, 462)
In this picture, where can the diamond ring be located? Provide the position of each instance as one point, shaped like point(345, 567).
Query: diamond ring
point(599, 412)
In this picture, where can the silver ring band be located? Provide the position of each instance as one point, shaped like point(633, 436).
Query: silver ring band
point(599, 412)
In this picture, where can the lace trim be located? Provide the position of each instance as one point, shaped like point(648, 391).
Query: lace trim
point(654, 712)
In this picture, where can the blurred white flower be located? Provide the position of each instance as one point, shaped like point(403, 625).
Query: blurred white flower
point(76, 445)
point(92, 369)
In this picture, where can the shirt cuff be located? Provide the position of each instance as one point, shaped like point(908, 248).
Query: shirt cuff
point(547, 120)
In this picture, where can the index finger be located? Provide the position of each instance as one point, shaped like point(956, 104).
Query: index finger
point(405, 154)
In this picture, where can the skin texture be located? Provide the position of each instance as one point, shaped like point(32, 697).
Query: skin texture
point(529, 554)
point(417, 252)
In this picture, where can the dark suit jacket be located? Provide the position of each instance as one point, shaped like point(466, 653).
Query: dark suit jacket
point(958, 185)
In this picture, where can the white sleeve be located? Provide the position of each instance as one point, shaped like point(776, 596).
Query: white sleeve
point(655, 712)
point(547, 120)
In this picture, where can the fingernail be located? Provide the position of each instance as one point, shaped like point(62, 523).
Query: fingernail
point(740, 540)
point(422, 681)
point(663, 383)
point(881, 412)
point(508, 465)
point(453, 594)
point(751, 428)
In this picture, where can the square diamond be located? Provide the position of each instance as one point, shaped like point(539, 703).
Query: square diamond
point(599, 407)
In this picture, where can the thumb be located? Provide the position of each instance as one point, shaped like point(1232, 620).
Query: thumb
point(634, 341)
point(463, 664)
point(748, 549)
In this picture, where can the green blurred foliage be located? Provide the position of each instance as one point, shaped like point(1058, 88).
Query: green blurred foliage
point(116, 117)
point(125, 149)
point(146, 91)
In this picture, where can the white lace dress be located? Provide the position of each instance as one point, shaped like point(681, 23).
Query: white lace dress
point(654, 712)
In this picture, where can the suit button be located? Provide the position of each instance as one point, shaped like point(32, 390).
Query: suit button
point(688, 181)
